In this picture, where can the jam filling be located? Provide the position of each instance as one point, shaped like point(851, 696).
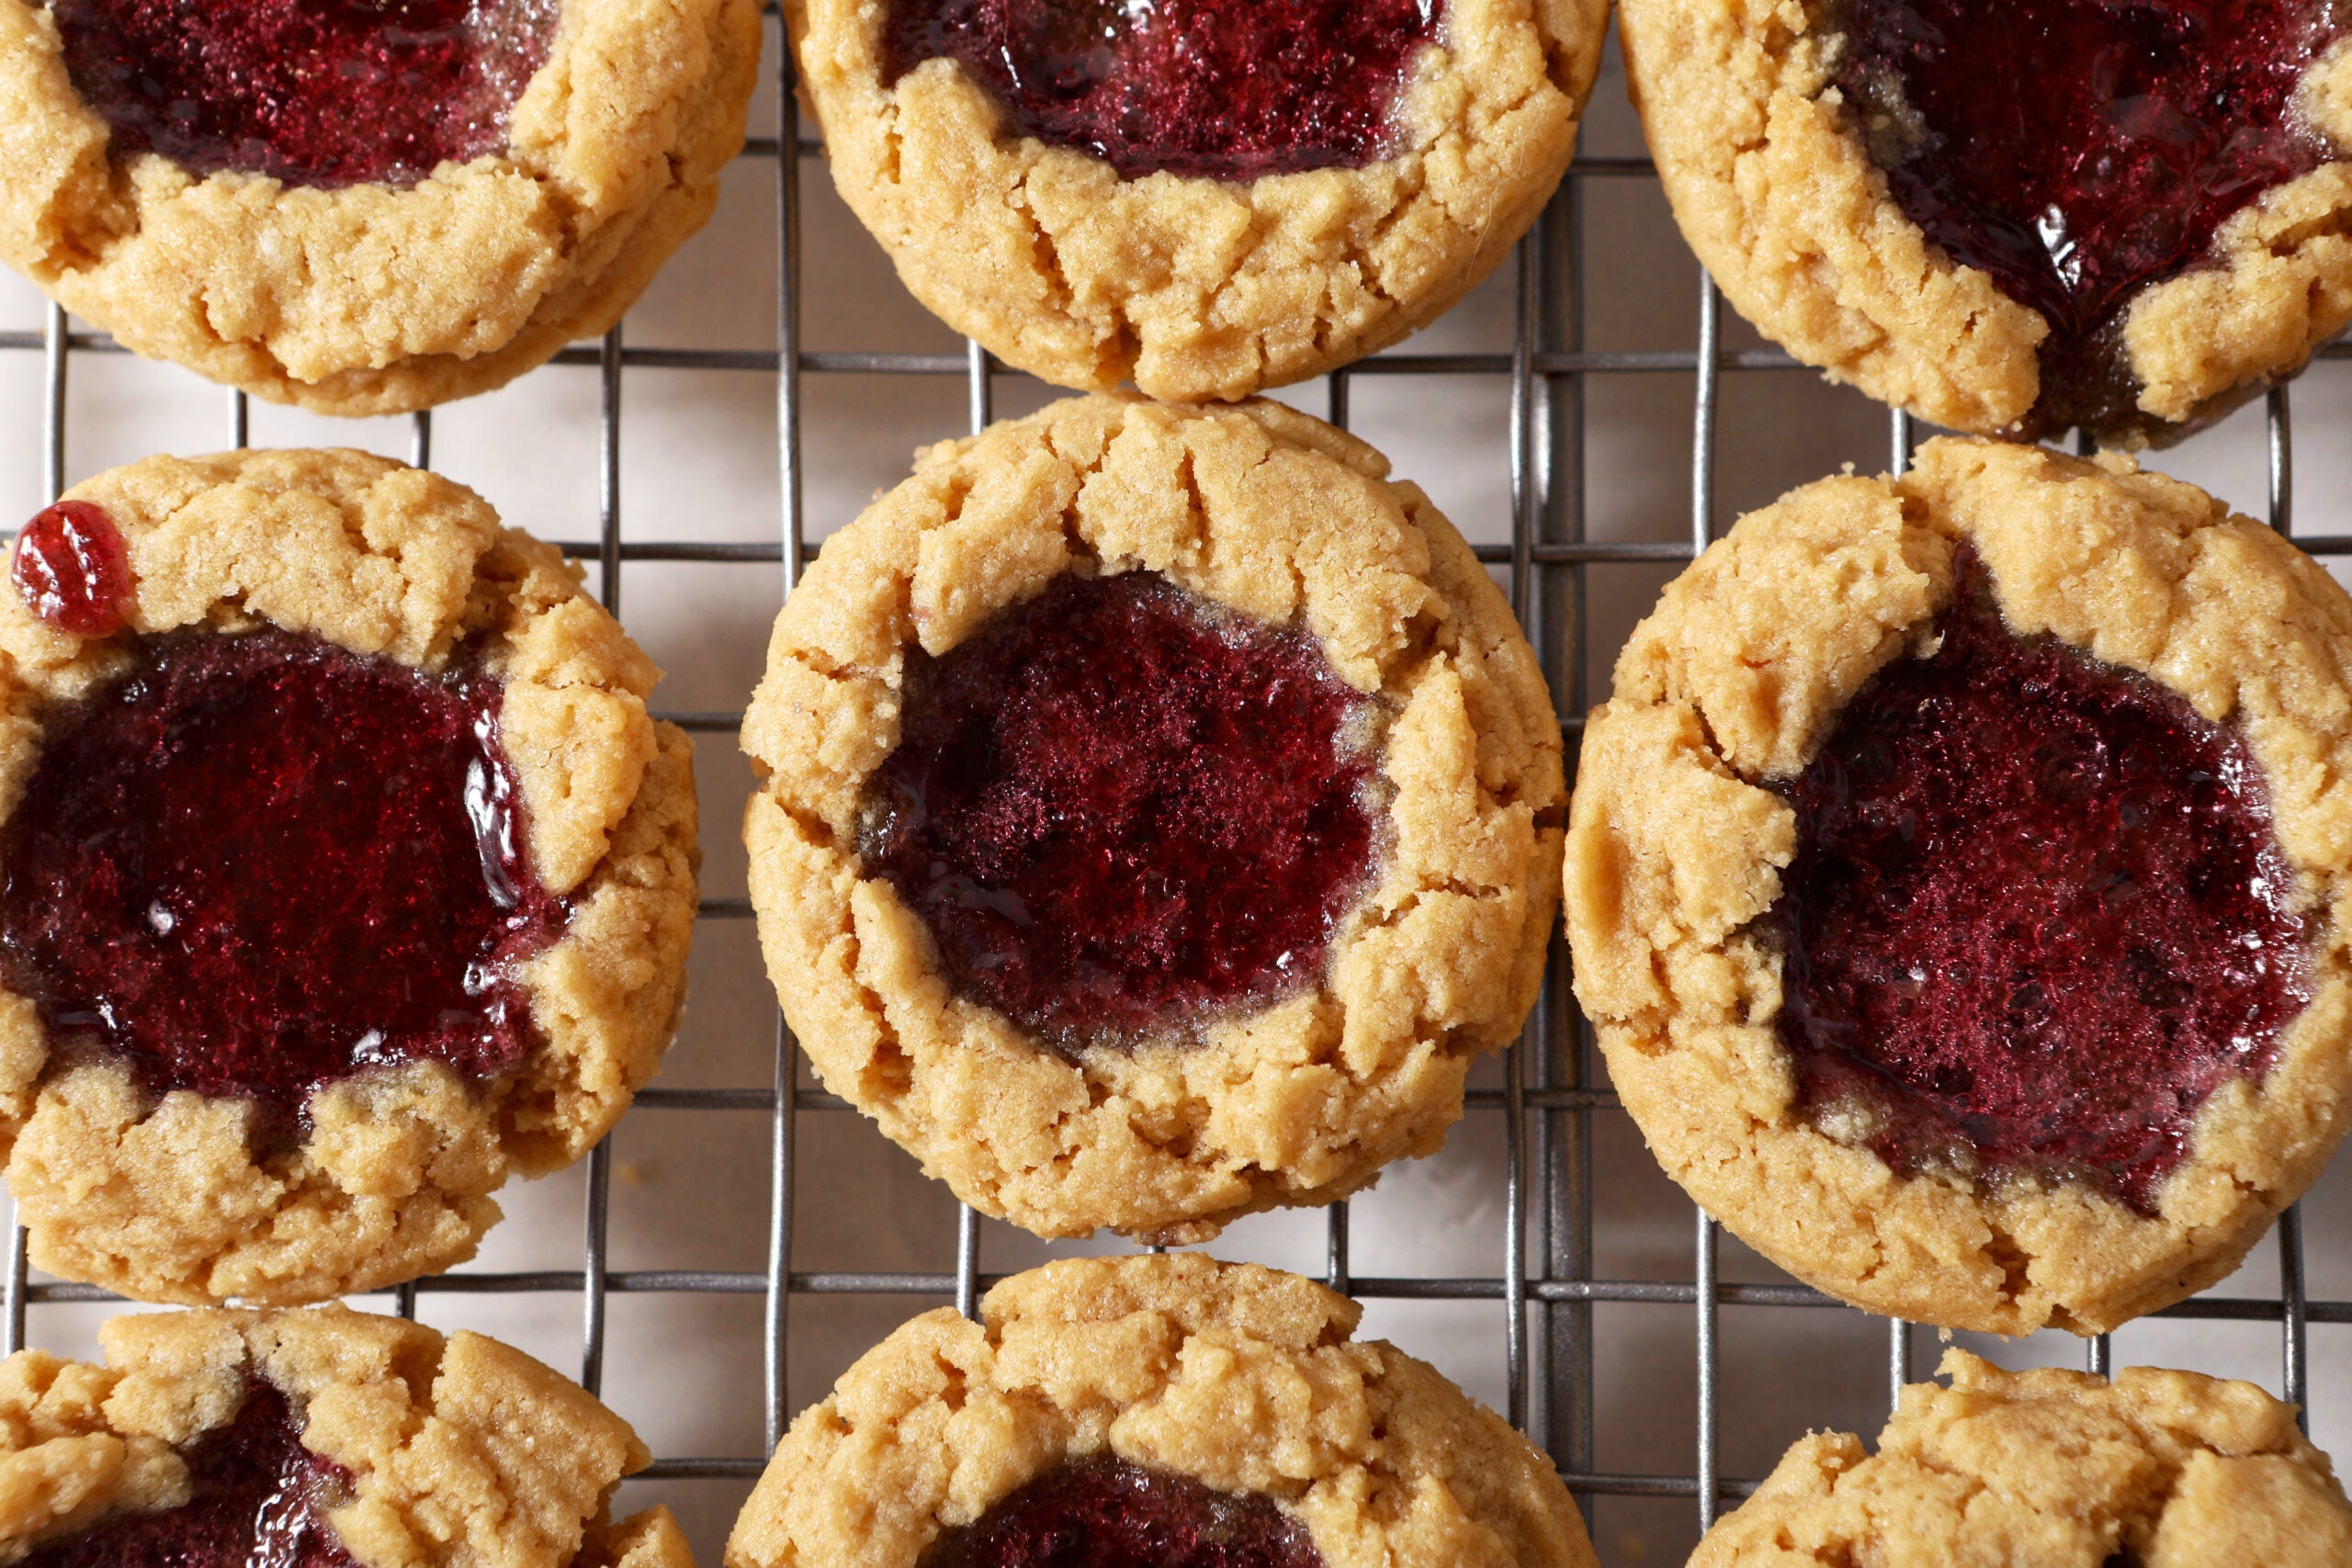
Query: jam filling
point(1121, 811)
point(260, 1502)
point(323, 93)
point(1106, 1513)
point(261, 864)
point(2077, 150)
point(1201, 88)
point(2036, 914)
point(73, 570)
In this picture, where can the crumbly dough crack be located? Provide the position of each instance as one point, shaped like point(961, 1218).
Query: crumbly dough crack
point(1200, 288)
point(1784, 208)
point(1243, 1378)
point(1675, 847)
point(370, 299)
point(2051, 1469)
point(461, 1452)
point(1284, 519)
point(166, 1200)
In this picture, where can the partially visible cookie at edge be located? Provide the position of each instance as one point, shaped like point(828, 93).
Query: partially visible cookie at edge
point(358, 1439)
point(1969, 1082)
point(2052, 1469)
point(246, 1048)
point(315, 264)
point(1224, 1395)
point(1207, 279)
point(1802, 166)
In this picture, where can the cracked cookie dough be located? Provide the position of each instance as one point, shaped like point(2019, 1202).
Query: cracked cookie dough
point(1275, 543)
point(1994, 1081)
point(1180, 1376)
point(2052, 1469)
point(1190, 286)
point(256, 1040)
point(1801, 162)
point(373, 295)
point(352, 1440)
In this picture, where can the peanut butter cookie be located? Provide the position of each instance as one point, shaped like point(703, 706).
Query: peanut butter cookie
point(1957, 882)
point(362, 209)
point(1205, 199)
point(2051, 1470)
point(1159, 814)
point(1175, 1409)
point(2021, 218)
point(344, 873)
point(328, 1438)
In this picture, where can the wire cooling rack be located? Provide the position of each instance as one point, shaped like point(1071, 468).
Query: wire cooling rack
point(1552, 1093)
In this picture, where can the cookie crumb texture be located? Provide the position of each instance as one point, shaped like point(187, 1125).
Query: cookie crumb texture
point(340, 1440)
point(2051, 1469)
point(1241, 1380)
point(156, 1177)
point(1280, 523)
point(246, 237)
point(1684, 845)
point(1898, 195)
point(1193, 287)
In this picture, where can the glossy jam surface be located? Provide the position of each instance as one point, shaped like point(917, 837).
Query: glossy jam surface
point(1215, 89)
point(2036, 913)
point(1106, 1513)
point(2079, 149)
point(1120, 811)
point(326, 92)
point(261, 864)
point(72, 569)
point(260, 1502)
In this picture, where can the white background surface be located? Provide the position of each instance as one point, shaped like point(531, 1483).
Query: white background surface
point(699, 462)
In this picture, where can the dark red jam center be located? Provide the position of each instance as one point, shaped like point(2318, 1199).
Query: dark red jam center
point(1119, 810)
point(260, 1502)
point(2079, 149)
point(2036, 913)
point(1106, 1513)
point(261, 864)
point(326, 92)
point(73, 570)
point(1215, 89)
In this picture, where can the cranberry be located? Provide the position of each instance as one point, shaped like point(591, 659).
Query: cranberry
point(1106, 1513)
point(2079, 149)
point(262, 863)
point(73, 570)
point(2036, 913)
point(1214, 89)
point(326, 92)
point(1120, 811)
point(260, 1502)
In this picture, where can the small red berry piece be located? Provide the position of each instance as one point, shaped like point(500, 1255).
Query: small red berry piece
point(73, 569)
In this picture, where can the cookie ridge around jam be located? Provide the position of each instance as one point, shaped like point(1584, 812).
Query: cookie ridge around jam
point(319, 93)
point(1190, 87)
point(1123, 813)
point(2036, 913)
point(259, 864)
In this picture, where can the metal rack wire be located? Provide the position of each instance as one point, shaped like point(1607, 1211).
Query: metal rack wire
point(1544, 1282)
